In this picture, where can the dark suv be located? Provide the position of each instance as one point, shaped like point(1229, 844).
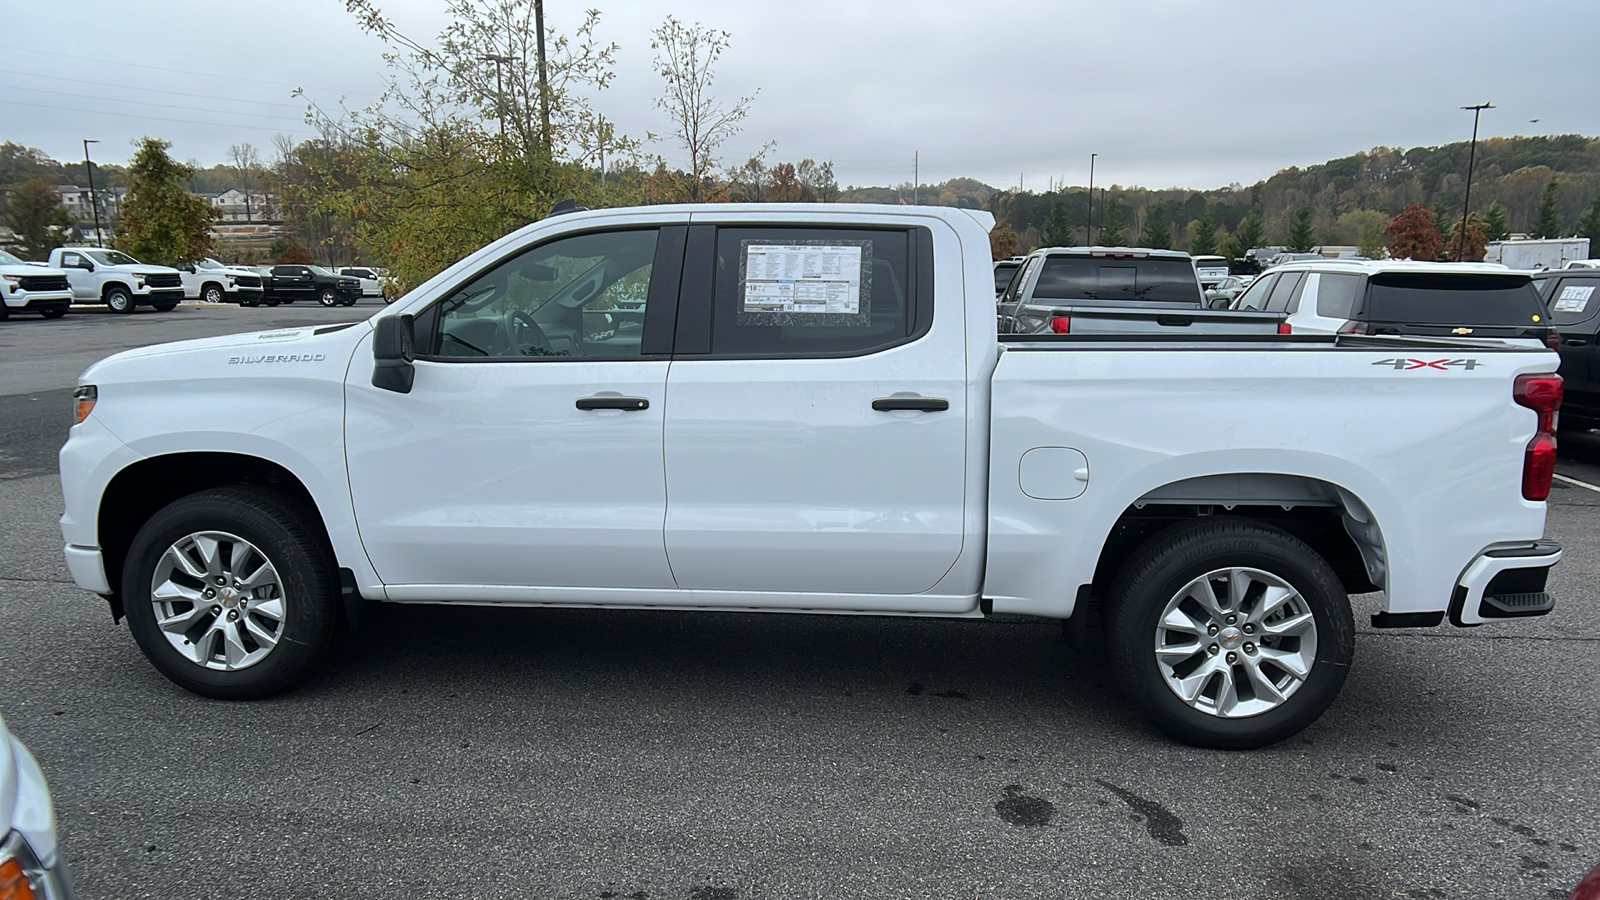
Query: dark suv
point(1573, 298)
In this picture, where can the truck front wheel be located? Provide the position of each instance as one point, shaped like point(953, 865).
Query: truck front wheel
point(1229, 633)
point(328, 297)
point(231, 594)
point(119, 300)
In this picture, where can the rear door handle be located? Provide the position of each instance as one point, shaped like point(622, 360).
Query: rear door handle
point(631, 404)
point(920, 404)
point(1576, 342)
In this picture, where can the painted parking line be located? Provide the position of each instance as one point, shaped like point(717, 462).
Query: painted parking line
point(1575, 482)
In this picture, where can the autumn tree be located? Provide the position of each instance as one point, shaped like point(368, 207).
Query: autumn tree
point(1412, 235)
point(1113, 227)
point(817, 181)
point(1249, 235)
point(1589, 226)
point(1204, 242)
point(686, 57)
point(1476, 245)
point(1547, 223)
point(1302, 232)
point(161, 221)
point(35, 212)
point(1003, 241)
point(1496, 226)
point(1157, 234)
point(1058, 228)
point(1370, 243)
point(292, 252)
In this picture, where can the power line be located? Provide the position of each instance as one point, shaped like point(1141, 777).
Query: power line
point(96, 112)
point(99, 61)
point(184, 106)
point(129, 87)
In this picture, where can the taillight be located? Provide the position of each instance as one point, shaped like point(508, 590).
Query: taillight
point(1553, 340)
point(1542, 394)
point(1353, 327)
point(1061, 324)
point(1285, 328)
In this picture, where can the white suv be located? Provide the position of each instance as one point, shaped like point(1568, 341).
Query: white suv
point(1343, 296)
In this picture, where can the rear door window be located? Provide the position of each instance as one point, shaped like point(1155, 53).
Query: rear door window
point(1154, 280)
point(1448, 299)
point(1256, 296)
point(1284, 291)
point(1574, 301)
point(1336, 295)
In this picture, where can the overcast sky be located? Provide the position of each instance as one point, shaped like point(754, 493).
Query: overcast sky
point(1167, 93)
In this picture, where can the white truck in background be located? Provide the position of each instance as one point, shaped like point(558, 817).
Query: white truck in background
point(117, 279)
point(810, 412)
point(1533, 255)
point(212, 282)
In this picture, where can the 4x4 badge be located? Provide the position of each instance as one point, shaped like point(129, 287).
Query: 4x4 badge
point(1402, 363)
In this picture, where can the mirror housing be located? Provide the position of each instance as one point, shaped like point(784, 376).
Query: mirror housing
point(392, 353)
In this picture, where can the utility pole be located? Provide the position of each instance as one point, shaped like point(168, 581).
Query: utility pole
point(499, 88)
point(1088, 227)
point(94, 201)
point(1472, 154)
point(544, 89)
point(916, 177)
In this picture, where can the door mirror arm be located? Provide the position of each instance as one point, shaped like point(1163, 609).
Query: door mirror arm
point(392, 354)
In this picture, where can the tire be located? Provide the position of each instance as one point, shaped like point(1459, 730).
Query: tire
point(211, 293)
point(272, 301)
point(165, 306)
point(249, 303)
point(1161, 583)
point(119, 300)
point(279, 640)
point(349, 301)
point(328, 298)
point(5, 312)
point(49, 313)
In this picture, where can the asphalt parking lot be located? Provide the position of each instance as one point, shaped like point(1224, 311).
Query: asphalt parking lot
point(663, 756)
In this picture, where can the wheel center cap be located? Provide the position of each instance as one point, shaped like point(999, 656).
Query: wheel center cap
point(1230, 637)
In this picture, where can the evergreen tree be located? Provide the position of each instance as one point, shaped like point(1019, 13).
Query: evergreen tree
point(1302, 235)
point(1249, 236)
point(1444, 218)
point(1204, 242)
point(1496, 226)
point(1113, 231)
point(1157, 234)
point(161, 221)
point(1547, 224)
point(1589, 226)
point(35, 211)
point(1058, 229)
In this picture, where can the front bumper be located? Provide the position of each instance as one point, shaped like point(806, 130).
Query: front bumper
point(1505, 582)
point(33, 301)
point(158, 295)
point(47, 881)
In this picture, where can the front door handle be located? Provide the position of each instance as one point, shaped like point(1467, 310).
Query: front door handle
point(630, 404)
point(920, 404)
point(1576, 342)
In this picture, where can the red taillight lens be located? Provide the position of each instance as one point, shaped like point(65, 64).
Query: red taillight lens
point(1061, 324)
point(1285, 328)
point(1353, 328)
point(1542, 394)
point(1538, 467)
point(1553, 340)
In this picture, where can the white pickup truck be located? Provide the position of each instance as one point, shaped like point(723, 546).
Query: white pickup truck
point(25, 287)
point(810, 412)
point(117, 279)
point(212, 282)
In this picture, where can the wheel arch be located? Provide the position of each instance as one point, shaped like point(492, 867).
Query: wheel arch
point(108, 284)
point(142, 488)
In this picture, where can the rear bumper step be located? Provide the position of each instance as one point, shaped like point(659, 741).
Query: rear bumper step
point(1505, 582)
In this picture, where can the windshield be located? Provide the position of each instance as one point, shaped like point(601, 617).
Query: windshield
point(1002, 274)
point(1149, 280)
point(110, 257)
point(1453, 300)
point(319, 270)
point(209, 263)
point(9, 260)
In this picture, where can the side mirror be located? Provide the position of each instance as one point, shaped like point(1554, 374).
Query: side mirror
point(392, 354)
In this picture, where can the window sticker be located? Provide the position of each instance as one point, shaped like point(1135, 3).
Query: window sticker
point(805, 283)
point(1574, 298)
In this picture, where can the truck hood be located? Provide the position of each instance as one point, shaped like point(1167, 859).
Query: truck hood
point(24, 799)
point(302, 350)
point(33, 271)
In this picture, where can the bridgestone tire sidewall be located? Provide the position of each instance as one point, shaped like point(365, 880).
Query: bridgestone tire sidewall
point(304, 565)
point(1175, 557)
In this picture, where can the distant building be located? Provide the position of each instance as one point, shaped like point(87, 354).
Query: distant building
point(76, 200)
point(261, 206)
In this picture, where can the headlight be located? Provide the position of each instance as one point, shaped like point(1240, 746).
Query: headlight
point(12, 279)
point(83, 400)
point(22, 876)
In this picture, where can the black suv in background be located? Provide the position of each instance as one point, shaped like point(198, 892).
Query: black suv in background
point(1573, 298)
point(288, 283)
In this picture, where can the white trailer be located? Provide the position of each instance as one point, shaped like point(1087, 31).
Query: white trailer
point(1552, 253)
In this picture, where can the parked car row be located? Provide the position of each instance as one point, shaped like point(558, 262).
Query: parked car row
point(291, 282)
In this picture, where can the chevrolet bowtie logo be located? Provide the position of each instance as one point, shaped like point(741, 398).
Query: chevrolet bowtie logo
point(1461, 331)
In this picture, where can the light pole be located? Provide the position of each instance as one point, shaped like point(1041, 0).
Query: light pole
point(94, 203)
point(1472, 155)
point(1088, 226)
point(499, 88)
point(544, 83)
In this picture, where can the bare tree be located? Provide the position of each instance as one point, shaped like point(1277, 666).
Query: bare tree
point(685, 57)
point(245, 158)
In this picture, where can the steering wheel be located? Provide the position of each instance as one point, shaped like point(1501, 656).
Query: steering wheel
point(527, 338)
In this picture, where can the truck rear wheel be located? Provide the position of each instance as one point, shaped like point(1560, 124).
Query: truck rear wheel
point(119, 300)
point(231, 594)
point(1230, 634)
